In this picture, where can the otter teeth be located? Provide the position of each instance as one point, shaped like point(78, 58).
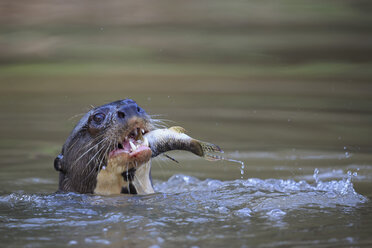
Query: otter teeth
point(145, 141)
point(132, 145)
point(142, 131)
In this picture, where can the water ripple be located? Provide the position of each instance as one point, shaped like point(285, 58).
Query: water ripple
point(182, 199)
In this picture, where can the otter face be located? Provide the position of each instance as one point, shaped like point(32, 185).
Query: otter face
point(106, 152)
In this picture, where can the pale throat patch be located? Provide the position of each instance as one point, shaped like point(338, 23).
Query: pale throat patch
point(110, 180)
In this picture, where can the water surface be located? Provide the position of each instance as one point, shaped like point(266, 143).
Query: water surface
point(283, 86)
point(310, 190)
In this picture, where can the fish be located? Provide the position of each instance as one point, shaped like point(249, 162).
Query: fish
point(175, 138)
point(125, 174)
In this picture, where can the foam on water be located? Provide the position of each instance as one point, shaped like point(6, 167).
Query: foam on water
point(254, 193)
point(182, 200)
point(272, 195)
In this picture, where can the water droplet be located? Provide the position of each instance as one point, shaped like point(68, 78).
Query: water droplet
point(242, 170)
point(316, 175)
point(347, 155)
point(242, 166)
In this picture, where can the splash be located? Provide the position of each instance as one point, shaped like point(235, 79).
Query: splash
point(242, 165)
point(218, 157)
point(268, 194)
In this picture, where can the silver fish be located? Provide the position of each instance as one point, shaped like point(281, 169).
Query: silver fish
point(174, 138)
point(110, 178)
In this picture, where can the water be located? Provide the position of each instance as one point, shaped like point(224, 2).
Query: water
point(282, 86)
point(188, 211)
point(299, 186)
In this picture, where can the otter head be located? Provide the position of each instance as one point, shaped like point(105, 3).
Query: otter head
point(106, 152)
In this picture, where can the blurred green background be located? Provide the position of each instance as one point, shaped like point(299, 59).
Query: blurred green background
point(278, 76)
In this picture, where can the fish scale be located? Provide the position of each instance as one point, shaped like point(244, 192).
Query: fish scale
point(174, 138)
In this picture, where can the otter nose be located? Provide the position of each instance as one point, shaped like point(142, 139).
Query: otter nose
point(129, 110)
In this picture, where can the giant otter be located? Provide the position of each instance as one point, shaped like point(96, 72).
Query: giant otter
point(109, 150)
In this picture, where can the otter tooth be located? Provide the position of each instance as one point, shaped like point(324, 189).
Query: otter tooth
point(132, 145)
point(145, 141)
point(135, 132)
point(142, 131)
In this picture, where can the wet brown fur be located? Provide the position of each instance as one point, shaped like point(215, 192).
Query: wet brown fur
point(86, 150)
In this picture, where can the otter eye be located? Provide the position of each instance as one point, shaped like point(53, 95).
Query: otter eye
point(98, 118)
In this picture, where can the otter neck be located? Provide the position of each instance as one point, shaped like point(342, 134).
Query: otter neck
point(136, 181)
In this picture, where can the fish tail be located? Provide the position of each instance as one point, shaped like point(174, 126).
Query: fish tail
point(203, 149)
point(206, 150)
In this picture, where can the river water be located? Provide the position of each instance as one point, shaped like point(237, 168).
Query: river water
point(306, 182)
point(284, 86)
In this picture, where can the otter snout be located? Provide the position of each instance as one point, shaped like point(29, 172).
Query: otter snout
point(128, 110)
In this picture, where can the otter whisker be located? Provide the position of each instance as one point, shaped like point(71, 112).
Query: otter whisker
point(104, 156)
point(103, 152)
point(157, 115)
point(74, 116)
point(111, 136)
point(160, 123)
point(96, 154)
point(90, 150)
point(128, 183)
point(69, 149)
point(161, 120)
point(93, 169)
point(87, 167)
point(127, 172)
point(89, 144)
point(158, 126)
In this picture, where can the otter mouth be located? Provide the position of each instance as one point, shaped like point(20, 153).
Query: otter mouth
point(133, 147)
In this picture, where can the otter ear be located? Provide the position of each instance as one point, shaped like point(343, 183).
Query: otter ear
point(58, 163)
